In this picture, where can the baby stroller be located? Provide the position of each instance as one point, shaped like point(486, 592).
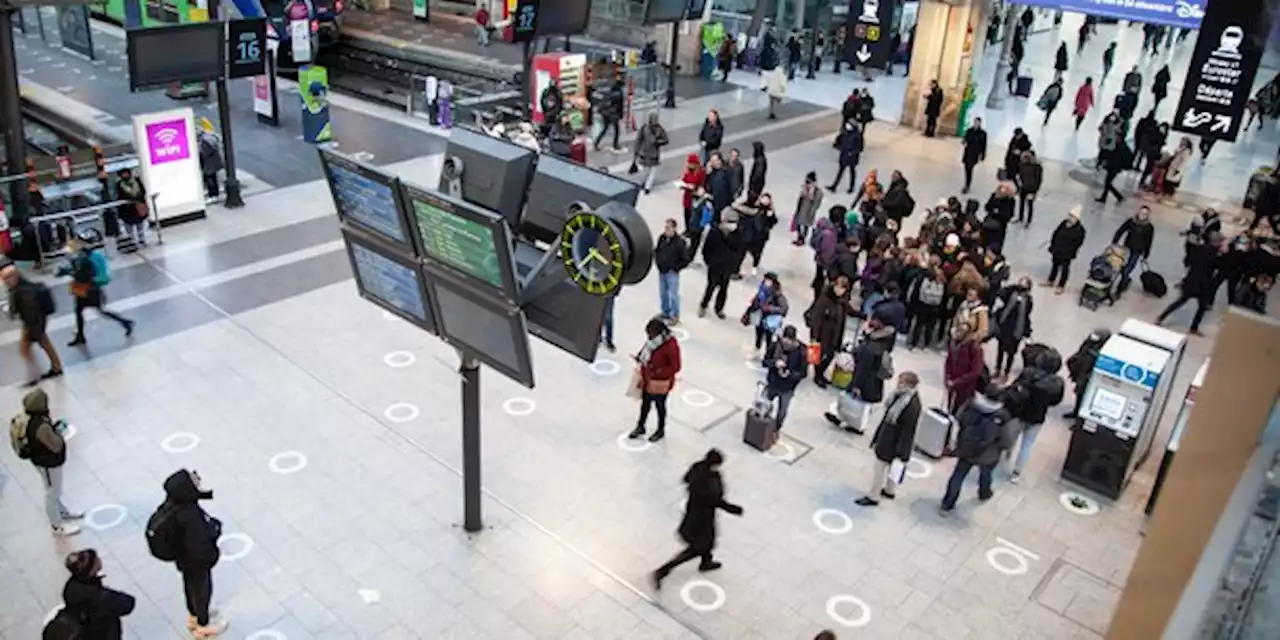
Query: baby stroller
point(1104, 278)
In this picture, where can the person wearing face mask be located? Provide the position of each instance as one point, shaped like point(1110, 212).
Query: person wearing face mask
point(786, 362)
point(1013, 322)
point(766, 312)
point(181, 532)
point(963, 368)
point(894, 438)
point(1064, 245)
point(720, 252)
point(670, 256)
point(698, 528)
point(89, 610)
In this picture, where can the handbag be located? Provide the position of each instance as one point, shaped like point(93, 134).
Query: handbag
point(813, 353)
point(633, 389)
point(80, 289)
point(658, 387)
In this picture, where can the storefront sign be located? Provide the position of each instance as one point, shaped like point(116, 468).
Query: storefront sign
point(1223, 65)
point(168, 162)
point(869, 28)
point(1173, 13)
point(265, 102)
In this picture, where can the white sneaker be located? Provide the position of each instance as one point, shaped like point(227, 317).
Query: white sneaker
point(1016, 478)
point(214, 628)
point(755, 272)
point(65, 530)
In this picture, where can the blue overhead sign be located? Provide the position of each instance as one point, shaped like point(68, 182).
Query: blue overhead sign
point(1174, 13)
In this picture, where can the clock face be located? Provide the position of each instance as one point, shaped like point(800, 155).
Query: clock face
point(592, 254)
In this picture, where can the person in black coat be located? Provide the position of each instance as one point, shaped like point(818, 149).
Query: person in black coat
point(1013, 155)
point(1012, 322)
point(897, 201)
point(1135, 234)
point(975, 151)
point(611, 110)
point(999, 212)
point(850, 145)
point(932, 109)
point(98, 608)
point(894, 439)
point(868, 358)
point(1060, 63)
point(720, 184)
point(711, 136)
point(1200, 283)
point(197, 547)
point(1030, 178)
point(1064, 245)
point(698, 528)
point(759, 173)
point(1118, 160)
point(721, 252)
point(1160, 85)
point(738, 171)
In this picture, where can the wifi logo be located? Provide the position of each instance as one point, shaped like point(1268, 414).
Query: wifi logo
point(167, 141)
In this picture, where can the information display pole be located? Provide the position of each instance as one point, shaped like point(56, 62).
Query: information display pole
point(233, 199)
point(672, 66)
point(470, 371)
point(526, 79)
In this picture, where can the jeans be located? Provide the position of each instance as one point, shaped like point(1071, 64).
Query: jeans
point(784, 403)
point(197, 586)
point(648, 400)
point(764, 338)
point(958, 476)
point(53, 507)
point(1059, 271)
point(482, 36)
point(137, 231)
point(1028, 440)
point(669, 294)
point(608, 322)
point(1131, 263)
point(609, 123)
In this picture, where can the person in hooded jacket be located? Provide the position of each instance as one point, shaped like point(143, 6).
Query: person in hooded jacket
point(1030, 178)
point(975, 151)
point(698, 527)
point(963, 367)
point(97, 608)
point(894, 438)
point(650, 140)
point(759, 172)
point(720, 252)
point(712, 134)
point(1064, 245)
point(197, 536)
point(1037, 389)
point(1013, 322)
point(850, 145)
point(897, 201)
point(825, 241)
point(826, 320)
point(47, 452)
point(979, 442)
point(999, 213)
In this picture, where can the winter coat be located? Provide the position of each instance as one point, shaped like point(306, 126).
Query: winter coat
point(867, 359)
point(1066, 240)
point(197, 530)
point(897, 201)
point(1060, 64)
point(664, 363)
point(1200, 280)
point(850, 145)
point(990, 416)
point(1030, 176)
point(649, 143)
point(963, 368)
point(694, 177)
point(1013, 319)
point(933, 103)
point(1178, 165)
point(826, 319)
point(721, 186)
point(895, 440)
point(1135, 236)
point(808, 205)
point(614, 104)
point(977, 315)
point(706, 495)
point(796, 368)
point(712, 135)
point(1109, 134)
point(1043, 391)
point(1132, 82)
point(759, 171)
point(825, 253)
point(1050, 98)
point(738, 173)
point(671, 253)
point(210, 154)
point(1084, 100)
point(975, 146)
point(892, 311)
point(845, 263)
point(99, 608)
point(720, 249)
point(25, 304)
point(1160, 85)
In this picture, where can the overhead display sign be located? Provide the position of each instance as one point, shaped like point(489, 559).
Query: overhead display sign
point(390, 280)
point(367, 198)
point(246, 48)
point(869, 23)
point(73, 28)
point(174, 54)
point(168, 162)
point(464, 238)
point(524, 21)
point(1173, 13)
point(1228, 49)
point(489, 330)
point(563, 17)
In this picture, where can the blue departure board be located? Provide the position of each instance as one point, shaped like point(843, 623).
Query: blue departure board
point(365, 196)
point(393, 283)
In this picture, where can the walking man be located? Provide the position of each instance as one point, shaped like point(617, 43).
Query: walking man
point(89, 274)
point(1201, 282)
point(32, 303)
point(36, 437)
point(698, 528)
point(932, 109)
point(975, 151)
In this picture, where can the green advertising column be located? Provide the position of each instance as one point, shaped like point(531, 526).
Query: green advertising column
point(421, 10)
point(313, 85)
point(966, 104)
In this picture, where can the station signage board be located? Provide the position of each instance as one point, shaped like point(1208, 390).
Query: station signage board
point(524, 21)
point(1170, 13)
point(169, 162)
point(73, 28)
point(247, 48)
point(868, 27)
point(1223, 66)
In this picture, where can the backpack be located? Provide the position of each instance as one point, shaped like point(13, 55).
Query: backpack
point(64, 625)
point(163, 537)
point(971, 442)
point(101, 271)
point(18, 436)
point(931, 291)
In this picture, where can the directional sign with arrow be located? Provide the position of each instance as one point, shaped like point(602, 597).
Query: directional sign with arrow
point(869, 37)
point(1223, 65)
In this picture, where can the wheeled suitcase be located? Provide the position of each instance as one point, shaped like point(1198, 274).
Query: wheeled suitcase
point(1154, 284)
point(933, 432)
point(761, 428)
point(1022, 87)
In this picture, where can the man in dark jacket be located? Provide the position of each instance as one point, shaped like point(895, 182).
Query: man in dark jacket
point(894, 438)
point(1038, 388)
point(975, 151)
point(932, 109)
point(1064, 245)
point(611, 110)
point(1160, 85)
point(31, 303)
point(846, 259)
point(720, 185)
point(787, 365)
point(978, 444)
point(999, 213)
point(98, 608)
point(670, 256)
point(1200, 283)
point(1030, 177)
point(46, 448)
point(850, 145)
point(891, 309)
point(897, 201)
point(1080, 366)
point(720, 252)
point(737, 171)
point(698, 528)
point(871, 361)
point(196, 535)
point(1135, 234)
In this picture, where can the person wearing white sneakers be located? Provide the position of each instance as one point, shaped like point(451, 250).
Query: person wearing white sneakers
point(181, 530)
point(36, 437)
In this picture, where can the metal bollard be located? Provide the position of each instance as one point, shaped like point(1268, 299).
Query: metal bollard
point(431, 93)
point(445, 101)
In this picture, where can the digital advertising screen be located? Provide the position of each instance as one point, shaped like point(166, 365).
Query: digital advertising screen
point(661, 11)
point(471, 241)
point(174, 54)
point(389, 279)
point(563, 17)
point(366, 197)
point(490, 330)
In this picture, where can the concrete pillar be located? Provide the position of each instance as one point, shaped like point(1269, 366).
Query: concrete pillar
point(689, 55)
point(948, 44)
point(380, 5)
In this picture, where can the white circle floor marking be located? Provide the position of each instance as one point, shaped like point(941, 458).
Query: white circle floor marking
point(1016, 564)
point(864, 614)
point(245, 541)
point(401, 412)
point(698, 398)
point(680, 334)
point(635, 446)
point(70, 432)
point(267, 634)
point(287, 462)
point(94, 518)
point(820, 521)
point(605, 367)
point(789, 451)
point(717, 592)
point(917, 468)
point(519, 406)
point(399, 359)
point(1078, 504)
point(180, 442)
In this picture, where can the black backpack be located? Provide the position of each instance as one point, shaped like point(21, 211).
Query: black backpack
point(163, 536)
point(65, 625)
point(973, 440)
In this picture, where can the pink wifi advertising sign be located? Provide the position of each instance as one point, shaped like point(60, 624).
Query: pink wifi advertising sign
point(167, 141)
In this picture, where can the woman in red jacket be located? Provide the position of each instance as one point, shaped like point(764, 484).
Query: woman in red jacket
point(659, 362)
point(963, 369)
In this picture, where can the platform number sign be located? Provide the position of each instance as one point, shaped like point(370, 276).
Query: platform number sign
point(246, 48)
point(524, 21)
point(1233, 36)
point(868, 27)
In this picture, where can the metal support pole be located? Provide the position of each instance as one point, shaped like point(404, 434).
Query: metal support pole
point(470, 371)
point(526, 79)
point(11, 114)
point(233, 199)
point(995, 98)
point(671, 68)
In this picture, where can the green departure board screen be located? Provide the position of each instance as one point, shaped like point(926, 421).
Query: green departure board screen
point(457, 241)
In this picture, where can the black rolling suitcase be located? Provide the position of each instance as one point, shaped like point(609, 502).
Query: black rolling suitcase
point(1153, 283)
point(1022, 87)
point(761, 429)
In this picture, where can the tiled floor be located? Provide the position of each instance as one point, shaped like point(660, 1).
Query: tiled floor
point(261, 362)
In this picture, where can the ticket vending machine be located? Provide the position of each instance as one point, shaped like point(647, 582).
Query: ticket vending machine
point(1122, 407)
point(1175, 437)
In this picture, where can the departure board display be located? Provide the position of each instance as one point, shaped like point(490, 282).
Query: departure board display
point(365, 196)
point(390, 280)
point(463, 237)
point(491, 331)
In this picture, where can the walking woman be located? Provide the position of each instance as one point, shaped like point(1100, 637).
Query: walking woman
point(1084, 101)
point(89, 274)
point(93, 609)
point(759, 172)
point(658, 363)
point(649, 143)
point(807, 207)
point(698, 528)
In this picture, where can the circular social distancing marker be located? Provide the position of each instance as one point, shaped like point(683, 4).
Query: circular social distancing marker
point(106, 516)
point(680, 334)
point(917, 468)
point(267, 634)
point(780, 451)
point(633, 445)
point(1078, 504)
point(401, 412)
point(1007, 561)
point(718, 596)
point(823, 518)
point(399, 359)
point(180, 442)
point(519, 406)
point(605, 367)
point(836, 603)
point(287, 462)
point(246, 545)
point(697, 398)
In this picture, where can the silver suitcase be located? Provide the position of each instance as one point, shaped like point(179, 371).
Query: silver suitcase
point(934, 432)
